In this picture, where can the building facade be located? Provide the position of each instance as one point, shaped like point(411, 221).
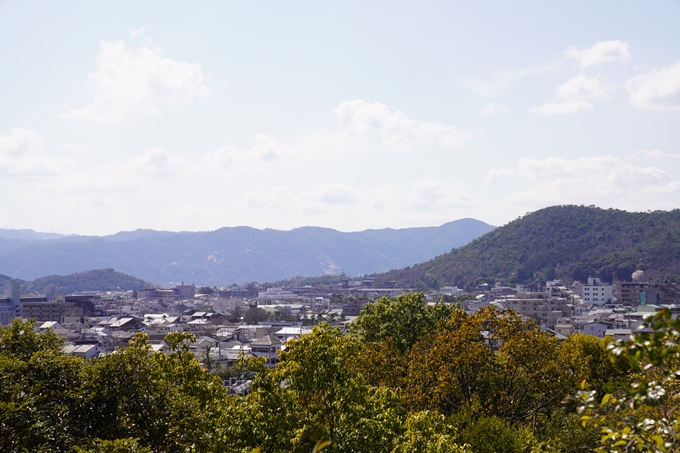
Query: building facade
point(596, 292)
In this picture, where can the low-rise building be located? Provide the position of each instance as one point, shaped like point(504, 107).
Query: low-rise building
point(268, 347)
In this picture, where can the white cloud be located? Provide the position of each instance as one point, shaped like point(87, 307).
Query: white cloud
point(493, 108)
point(394, 130)
point(20, 141)
point(561, 108)
point(601, 52)
point(416, 196)
point(361, 128)
point(581, 88)
point(138, 81)
point(573, 95)
point(602, 180)
point(502, 79)
point(653, 154)
point(324, 197)
point(656, 90)
point(268, 199)
point(136, 32)
point(156, 163)
point(21, 155)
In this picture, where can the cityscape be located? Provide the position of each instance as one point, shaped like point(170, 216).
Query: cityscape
point(339, 227)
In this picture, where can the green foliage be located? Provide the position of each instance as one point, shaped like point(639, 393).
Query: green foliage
point(495, 435)
point(561, 241)
point(128, 445)
point(94, 280)
point(50, 401)
point(39, 402)
point(205, 290)
point(429, 432)
point(645, 417)
point(403, 320)
point(410, 377)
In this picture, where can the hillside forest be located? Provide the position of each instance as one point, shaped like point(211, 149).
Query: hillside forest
point(407, 377)
point(94, 280)
point(566, 242)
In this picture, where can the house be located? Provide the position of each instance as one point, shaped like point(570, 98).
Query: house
point(619, 334)
point(120, 323)
point(564, 329)
point(287, 333)
point(597, 329)
point(86, 351)
point(49, 325)
point(268, 347)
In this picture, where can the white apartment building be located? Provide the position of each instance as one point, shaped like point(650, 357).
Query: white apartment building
point(596, 292)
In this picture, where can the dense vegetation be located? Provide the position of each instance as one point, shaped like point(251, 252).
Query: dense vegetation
point(408, 377)
point(94, 280)
point(571, 242)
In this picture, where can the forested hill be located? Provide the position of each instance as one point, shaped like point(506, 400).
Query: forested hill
point(572, 242)
point(94, 280)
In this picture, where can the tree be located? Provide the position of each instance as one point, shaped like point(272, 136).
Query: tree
point(646, 417)
point(403, 320)
point(313, 395)
point(205, 290)
point(429, 432)
point(255, 315)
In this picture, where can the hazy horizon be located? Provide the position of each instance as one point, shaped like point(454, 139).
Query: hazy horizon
point(235, 226)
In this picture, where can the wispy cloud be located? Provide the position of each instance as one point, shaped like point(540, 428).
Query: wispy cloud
point(653, 154)
point(22, 156)
point(600, 180)
point(600, 52)
point(139, 31)
point(494, 109)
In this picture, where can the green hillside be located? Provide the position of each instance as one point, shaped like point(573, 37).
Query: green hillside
point(94, 280)
point(570, 242)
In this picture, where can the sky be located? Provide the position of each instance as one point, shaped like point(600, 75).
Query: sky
point(349, 115)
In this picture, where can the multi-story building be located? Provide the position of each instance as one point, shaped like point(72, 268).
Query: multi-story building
point(641, 293)
point(179, 292)
point(10, 305)
point(41, 310)
point(596, 292)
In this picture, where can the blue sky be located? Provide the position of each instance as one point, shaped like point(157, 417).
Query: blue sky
point(349, 115)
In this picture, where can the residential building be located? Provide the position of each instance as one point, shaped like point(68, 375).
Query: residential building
point(645, 293)
point(597, 329)
point(39, 309)
point(268, 347)
point(564, 329)
point(596, 292)
point(619, 334)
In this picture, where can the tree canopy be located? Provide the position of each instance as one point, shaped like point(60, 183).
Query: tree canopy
point(408, 376)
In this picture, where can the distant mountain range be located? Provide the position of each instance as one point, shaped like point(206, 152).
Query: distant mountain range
point(230, 255)
point(570, 242)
